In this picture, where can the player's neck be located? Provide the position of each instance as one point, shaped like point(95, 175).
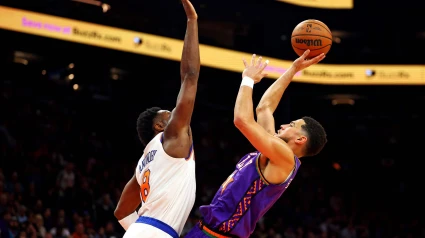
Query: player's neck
point(156, 133)
point(298, 152)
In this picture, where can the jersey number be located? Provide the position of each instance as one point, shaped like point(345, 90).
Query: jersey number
point(145, 187)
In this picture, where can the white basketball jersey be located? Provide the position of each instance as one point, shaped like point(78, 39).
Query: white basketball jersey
point(167, 185)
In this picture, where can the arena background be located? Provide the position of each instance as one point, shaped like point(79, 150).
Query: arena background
point(366, 183)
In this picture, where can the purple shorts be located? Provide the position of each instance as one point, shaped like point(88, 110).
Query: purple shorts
point(196, 232)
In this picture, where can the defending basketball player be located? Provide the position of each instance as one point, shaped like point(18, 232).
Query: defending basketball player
point(260, 177)
point(164, 180)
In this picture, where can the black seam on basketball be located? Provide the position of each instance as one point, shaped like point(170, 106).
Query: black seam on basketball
point(311, 35)
point(320, 25)
point(314, 49)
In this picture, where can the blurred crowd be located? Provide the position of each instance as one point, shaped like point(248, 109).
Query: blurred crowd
point(66, 156)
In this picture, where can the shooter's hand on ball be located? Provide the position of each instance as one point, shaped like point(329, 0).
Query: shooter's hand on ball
point(302, 63)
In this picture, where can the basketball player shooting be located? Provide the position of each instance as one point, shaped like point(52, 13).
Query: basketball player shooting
point(164, 180)
point(260, 177)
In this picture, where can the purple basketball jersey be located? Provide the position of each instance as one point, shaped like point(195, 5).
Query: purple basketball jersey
point(243, 198)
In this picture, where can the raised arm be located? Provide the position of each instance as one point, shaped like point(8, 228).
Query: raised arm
point(270, 146)
point(177, 134)
point(190, 62)
point(271, 98)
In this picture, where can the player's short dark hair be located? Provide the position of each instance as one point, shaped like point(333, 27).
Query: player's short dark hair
point(145, 124)
point(316, 136)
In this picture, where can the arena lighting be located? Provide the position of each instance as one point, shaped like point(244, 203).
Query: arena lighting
point(342, 34)
point(90, 2)
point(215, 57)
point(25, 58)
point(75, 87)
point(20, 61)
point(336, 166)
point(326, 4)
point(336, 39)
point(343, 99)
point(116, 73)
point(105, 7)
point(71, 66)
point(339, 35)
point(71, 76)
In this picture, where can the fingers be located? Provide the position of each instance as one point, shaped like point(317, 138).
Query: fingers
point(187, 3)
point(189, 9)
point(316, 59)
point(245, 63)
point(265, 65)
point(253, 59)
point(321, 57)
point(305, 54)
point(258, 64)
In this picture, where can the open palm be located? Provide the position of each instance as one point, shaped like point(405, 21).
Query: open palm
point(255, 69)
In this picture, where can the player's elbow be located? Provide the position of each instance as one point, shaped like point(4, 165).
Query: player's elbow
point(119, 214)
point(239, 122)
point(190, 74)
point(261, 108)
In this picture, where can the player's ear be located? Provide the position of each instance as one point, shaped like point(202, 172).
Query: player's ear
point(302, 139)
point(159, 126)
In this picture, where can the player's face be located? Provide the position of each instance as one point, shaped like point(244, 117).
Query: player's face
point(291, 131)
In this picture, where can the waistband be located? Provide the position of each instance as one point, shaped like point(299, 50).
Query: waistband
point(212, 233)
point(158, 224)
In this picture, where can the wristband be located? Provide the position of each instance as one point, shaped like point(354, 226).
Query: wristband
point(247, 81)
point(128, 220)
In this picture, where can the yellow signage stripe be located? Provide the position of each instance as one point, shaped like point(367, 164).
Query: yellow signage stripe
point(168, 48)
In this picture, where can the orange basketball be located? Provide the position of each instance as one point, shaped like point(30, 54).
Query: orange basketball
point(313, 35)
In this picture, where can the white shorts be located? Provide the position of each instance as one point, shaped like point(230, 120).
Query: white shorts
point(139, 230)
point(148, 228)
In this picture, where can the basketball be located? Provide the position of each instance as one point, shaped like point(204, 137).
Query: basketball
point(313, 35)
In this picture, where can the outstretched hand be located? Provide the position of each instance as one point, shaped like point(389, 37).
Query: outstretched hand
point(255, 69)
point(302, 63)
point(189, 9)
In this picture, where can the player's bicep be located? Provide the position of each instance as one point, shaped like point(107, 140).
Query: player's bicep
point(182, 113)
point(129, 200)
point(266, 120)
point(276, 150)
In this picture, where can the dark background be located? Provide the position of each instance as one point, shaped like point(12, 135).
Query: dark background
point(366, 183)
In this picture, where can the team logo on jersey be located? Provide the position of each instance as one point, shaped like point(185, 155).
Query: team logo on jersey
point(247, 161)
